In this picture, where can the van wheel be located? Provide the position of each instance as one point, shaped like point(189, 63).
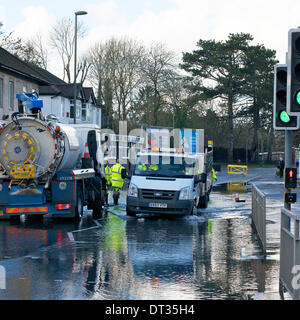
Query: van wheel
point(203, 201)
point(79, 206)
point(130, 213)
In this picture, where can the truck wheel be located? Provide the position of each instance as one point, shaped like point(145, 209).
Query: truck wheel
point(130, 213)
point(14, 219)
point(79, 205)
point(97, 208)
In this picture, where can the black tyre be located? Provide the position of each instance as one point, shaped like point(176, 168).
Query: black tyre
point(97, 208)
point(203, 202)
point(130, 213)
point(15, 219)
point(79, 205)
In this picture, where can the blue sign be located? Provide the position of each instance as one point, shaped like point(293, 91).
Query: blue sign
point(189, 140)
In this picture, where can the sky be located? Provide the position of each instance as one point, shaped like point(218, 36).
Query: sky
point(179, 24)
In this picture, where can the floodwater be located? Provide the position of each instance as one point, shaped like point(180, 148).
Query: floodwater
point(213, 255)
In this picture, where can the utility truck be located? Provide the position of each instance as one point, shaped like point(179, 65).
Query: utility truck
point(48, 167)
point(171, 181)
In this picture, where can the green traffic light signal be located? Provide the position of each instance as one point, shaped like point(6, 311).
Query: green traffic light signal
point(284, 117)
point(297, 96)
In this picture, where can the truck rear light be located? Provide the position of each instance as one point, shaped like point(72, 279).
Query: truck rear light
point(62, 206)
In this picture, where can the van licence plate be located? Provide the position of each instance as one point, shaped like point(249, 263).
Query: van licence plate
point(158, 205)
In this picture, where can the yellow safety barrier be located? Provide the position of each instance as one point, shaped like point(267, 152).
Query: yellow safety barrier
point(235, 169)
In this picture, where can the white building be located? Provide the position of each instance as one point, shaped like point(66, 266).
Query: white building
point(58, 100)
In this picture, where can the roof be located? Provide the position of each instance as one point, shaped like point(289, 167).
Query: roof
point(64, 89)
point(67, 90)
point(51, 78)
point(13, 64)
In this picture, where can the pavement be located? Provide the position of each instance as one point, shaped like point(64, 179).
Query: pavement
point(273, 187)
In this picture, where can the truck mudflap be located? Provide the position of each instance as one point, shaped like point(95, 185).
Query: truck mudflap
point(173, 207)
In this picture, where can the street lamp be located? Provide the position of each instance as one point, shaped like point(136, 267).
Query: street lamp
point(78, 13)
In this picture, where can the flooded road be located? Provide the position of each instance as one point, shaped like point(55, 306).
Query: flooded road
point(213, 255)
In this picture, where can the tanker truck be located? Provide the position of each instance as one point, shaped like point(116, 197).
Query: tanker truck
point(48, 167)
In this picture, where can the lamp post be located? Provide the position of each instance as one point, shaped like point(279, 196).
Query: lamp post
point(78, 13)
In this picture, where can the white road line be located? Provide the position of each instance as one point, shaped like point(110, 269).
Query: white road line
point(81, 230)
point(98, 223)
point(71, 237)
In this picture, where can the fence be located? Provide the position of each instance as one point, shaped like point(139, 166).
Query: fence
point(290, 253)
point(259, 216)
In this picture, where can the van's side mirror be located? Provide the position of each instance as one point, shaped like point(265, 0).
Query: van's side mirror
point(197, 179)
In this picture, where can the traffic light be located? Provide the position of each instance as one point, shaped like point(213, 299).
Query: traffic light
point(281, 119)
point(290, 178)
point(293, 64)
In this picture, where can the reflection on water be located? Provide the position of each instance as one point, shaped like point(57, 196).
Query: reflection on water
point(184, 258)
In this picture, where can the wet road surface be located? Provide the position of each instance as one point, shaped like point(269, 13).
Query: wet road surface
point(213, 255)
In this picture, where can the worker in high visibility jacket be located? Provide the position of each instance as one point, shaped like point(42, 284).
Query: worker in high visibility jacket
point(118, 177)
point(214, 176)
point(153, 167)
point(143, 167)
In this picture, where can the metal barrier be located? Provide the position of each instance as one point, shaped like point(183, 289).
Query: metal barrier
point(290, 254)
point(259, 216)
point(235, 169)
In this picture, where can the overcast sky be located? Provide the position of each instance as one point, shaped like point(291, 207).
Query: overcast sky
point(177, 23)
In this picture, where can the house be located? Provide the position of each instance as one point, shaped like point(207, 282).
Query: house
point(58, 100)
point(17, 76)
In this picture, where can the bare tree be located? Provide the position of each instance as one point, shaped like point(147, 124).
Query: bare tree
point(157, 69)
point(41, 50)
point(62, 37)
point(116, 69)
point(83, 68)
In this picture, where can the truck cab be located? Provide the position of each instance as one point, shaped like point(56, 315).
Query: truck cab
point(169, 183)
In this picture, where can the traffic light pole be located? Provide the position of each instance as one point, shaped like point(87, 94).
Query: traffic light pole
point(288, 158)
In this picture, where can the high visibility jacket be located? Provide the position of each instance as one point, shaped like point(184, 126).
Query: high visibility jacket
point(153, 167)
point(116, 178)
point(142, 167)
point(107, 172)
point(214, 176)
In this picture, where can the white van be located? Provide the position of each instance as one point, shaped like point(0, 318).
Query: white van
point(170, 183)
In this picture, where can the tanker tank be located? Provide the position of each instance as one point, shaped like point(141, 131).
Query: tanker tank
point(32, 148)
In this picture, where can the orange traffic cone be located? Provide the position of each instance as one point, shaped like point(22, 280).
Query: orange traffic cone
point(237, 198)
point(86, 151)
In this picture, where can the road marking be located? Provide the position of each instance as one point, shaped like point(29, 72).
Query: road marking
point(71, 237)
point(81, 230)
point(98, 223)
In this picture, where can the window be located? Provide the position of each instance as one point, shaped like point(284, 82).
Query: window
point(11, 95)
point(89, 113)
point(63, 107)
point(72, 111)
point(1, 93)
point(83, 112)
